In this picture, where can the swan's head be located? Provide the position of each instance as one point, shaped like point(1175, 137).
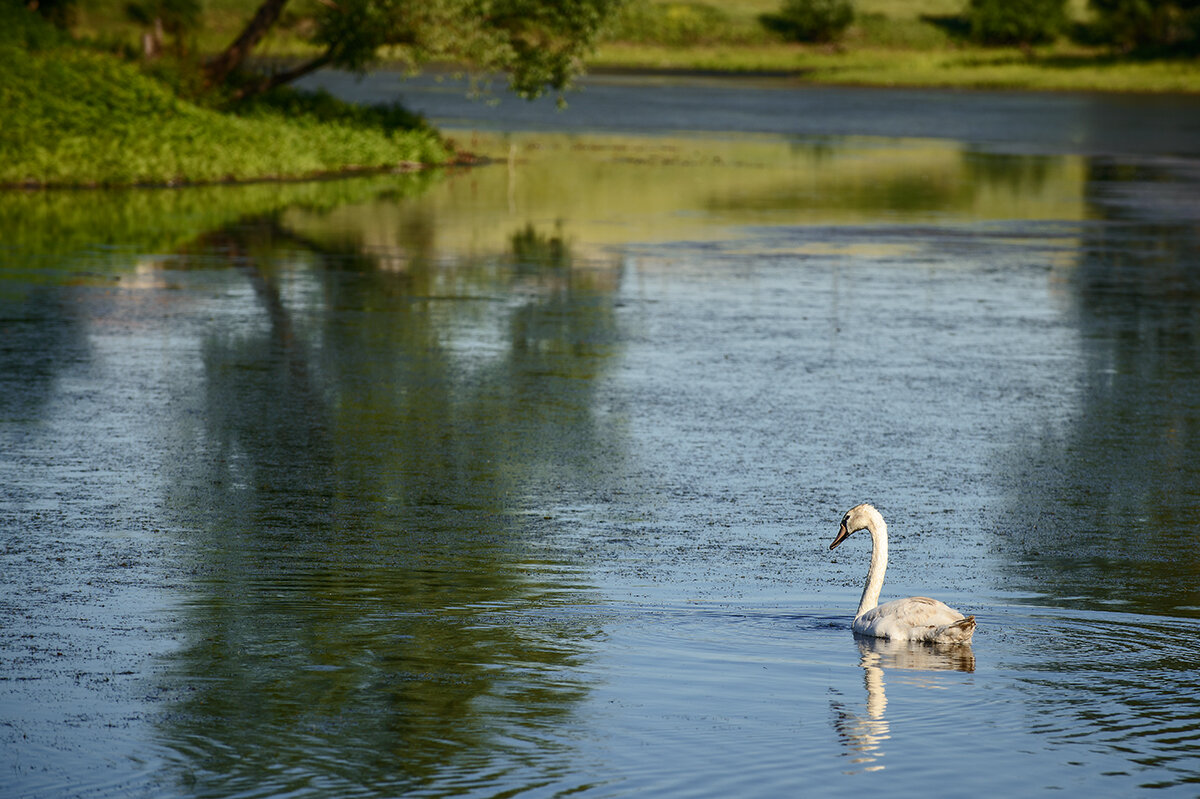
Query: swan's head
point(860, 517)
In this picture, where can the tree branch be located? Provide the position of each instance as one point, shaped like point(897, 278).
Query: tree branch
point(218, 69)
point(281, 78)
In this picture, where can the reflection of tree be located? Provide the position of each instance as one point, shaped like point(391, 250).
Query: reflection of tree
point(864, 735)
point(40, 335)
point(939, 180)
point(532, 248)
point(1020, 174)
point(1102, 510)
point(366, 453)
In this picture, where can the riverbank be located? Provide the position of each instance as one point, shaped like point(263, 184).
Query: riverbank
point(914, 43)
point(1057, 68)
point(79, 117)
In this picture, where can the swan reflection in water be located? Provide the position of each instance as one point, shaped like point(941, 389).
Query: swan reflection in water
point(863, 734)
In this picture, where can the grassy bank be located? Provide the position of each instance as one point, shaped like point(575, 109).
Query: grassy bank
point(1050, 69)
point(891, 43)
point(74, 116)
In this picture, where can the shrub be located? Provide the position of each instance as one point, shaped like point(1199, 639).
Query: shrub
point(1144, 24)
point(59, 12)
point(811, 20)
point(1021, 22)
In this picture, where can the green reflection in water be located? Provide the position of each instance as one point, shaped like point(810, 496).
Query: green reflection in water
point(415, 380)
point(372, 446)
point(400, 383)
point(52, 225)
point(599, 192)
point(1105, 513)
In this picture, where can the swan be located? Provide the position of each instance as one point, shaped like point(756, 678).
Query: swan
point(915, 618)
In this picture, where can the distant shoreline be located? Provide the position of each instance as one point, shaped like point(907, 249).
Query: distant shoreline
point(1162, 76)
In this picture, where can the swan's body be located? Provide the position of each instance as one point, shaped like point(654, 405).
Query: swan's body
point(915, 618)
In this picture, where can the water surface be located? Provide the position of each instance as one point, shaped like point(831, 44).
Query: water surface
point(519, 480)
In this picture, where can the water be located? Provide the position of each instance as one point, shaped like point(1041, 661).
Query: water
point(519, 480)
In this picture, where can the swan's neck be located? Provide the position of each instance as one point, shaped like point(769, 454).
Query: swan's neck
point(879, 555)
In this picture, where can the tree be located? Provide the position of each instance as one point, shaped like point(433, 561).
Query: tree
point(59, 12)
point(162, 17)
point(538, 42)
point(1020, 22)
point(811, 20)
point(1145, 24)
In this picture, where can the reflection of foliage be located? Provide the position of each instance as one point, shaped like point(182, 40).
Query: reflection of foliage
point(909, 180)
point(1103, 504)
point(353, 488)
point(1018, 173)
point(539, 249)
point(57, 223)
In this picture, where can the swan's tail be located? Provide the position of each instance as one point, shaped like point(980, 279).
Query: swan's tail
point(958, 632)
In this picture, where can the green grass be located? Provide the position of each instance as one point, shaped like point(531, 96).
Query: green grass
point(1058, 68)
point(891, 43)
point(78, 117)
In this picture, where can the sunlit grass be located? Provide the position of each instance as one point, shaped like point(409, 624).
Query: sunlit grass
point(892, 43)
point(1073, 69)
point(77, 117)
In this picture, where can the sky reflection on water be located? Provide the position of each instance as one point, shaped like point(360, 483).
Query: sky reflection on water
point(520, 479)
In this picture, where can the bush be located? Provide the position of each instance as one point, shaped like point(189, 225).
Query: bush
point(1020, 22)
point(1133, 24)
point(811, 20)
point(60, 12)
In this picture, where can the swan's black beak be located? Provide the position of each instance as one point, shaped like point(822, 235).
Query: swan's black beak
point(842, 535)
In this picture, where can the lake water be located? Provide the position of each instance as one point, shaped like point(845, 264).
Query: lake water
point(519, 480)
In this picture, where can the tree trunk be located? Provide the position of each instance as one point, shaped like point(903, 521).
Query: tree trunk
point(218, 69)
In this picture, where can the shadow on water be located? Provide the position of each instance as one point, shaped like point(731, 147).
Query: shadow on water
point(366, 570)
point(1103, 518)
point(348, 470)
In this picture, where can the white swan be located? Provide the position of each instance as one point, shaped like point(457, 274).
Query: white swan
point(915, 618)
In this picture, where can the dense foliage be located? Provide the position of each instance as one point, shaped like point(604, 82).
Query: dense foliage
point(59, 12)
point(1019, 22)
point(538, 43)
point(1149, 24)
point(811, 20)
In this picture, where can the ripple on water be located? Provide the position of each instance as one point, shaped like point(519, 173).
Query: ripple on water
point(1122, 686)
point(693, 695)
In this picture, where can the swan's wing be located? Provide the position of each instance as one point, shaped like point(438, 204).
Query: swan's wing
point(904, 619)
